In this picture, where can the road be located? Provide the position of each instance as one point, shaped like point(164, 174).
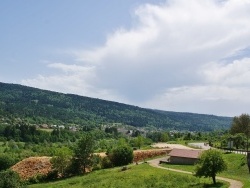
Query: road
point(233, 183)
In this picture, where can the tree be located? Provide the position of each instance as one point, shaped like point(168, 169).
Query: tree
point(83, 153)
point(241, 124)
point(139, 141)
point(239, 139)
point(210, 163)
point(122, 155)
point(62, 159)
point(164, 137)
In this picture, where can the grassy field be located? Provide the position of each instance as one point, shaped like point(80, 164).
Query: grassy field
point(137, 176)
point(237, 168)
point(46, 130)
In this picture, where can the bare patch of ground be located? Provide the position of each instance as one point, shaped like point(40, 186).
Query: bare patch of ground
point(32, 166)
point(170, 146)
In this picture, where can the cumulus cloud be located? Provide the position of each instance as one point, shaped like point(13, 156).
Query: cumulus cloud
point(74, 79)
point(233, 74)
point(172, 59)
point(206, 99)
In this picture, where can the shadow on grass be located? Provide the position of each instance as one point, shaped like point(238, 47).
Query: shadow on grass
point(219, 184)
point(172, 164)
point(211, 185)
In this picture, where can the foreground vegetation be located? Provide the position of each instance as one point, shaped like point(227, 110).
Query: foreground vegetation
point(236, 168)
point(136, 176)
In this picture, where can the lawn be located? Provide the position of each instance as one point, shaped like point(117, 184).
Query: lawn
point(46, 130)
point(137, 176)
point(237, 168)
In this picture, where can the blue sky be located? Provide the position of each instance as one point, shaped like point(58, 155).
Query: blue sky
point(175, 55)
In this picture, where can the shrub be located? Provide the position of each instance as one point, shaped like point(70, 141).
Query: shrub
point(106, 163)
point(37, 179)
point(6, 161)
point(97, 160)
point(10, 179)
point(52, 175)
point(122, 155)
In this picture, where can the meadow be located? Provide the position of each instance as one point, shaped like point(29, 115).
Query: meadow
point(237, 168)
point(139, 176)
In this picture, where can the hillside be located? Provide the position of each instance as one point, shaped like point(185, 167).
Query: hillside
point(42, 106)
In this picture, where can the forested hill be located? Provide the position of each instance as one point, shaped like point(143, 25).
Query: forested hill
point(42, 106)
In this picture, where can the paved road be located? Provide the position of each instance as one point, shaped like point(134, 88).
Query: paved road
point(233, 183)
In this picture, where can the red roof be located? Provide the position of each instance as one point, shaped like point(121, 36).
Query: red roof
point(185, 153)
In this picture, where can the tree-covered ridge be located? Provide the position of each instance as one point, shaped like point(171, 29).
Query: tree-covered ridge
point(42, 106)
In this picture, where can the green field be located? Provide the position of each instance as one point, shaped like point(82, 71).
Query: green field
point(237, 168)
point(137, 176)
point(47, 130)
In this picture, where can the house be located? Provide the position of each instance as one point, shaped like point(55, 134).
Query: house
point(184, 156)
point(44, 126)
point(61, 127)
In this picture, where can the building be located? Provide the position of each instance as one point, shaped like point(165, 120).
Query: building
point(183, 156)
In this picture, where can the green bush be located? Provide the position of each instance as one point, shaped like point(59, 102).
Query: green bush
point(10, 179)
point(122, 155)
point(106, 163)
point(6, 161)
point(52, 175)
point(97, 160)
point(36, 179)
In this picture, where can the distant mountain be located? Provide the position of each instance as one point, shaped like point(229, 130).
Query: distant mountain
point(42, 106)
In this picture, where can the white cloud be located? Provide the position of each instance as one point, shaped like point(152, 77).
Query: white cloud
point(233, 74)
point(170, 59)
point(74, 79)
point(208, 99)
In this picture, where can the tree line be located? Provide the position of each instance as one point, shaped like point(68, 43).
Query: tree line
point(41, 106)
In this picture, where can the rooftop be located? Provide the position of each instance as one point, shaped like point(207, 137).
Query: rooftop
point(185, 153)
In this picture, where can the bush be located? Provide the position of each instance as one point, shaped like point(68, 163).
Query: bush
point(106, 163)
point(122, 155)
point(97, 160)
point(52, 175)
point(10, 179)
point(6, 161)
point(37, 179)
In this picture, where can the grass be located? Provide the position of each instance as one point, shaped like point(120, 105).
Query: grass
point(138, 176)
point(189, 168)
point(237, 168)
point(46, 130)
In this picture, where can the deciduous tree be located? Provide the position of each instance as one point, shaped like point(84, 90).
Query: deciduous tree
point(83, 153)
point(210, 164)
point(62, 159)
point(241, 124)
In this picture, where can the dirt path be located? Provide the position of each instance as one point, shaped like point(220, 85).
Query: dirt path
point(233, 183)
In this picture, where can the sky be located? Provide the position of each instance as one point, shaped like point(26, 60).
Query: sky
point(173, 55)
